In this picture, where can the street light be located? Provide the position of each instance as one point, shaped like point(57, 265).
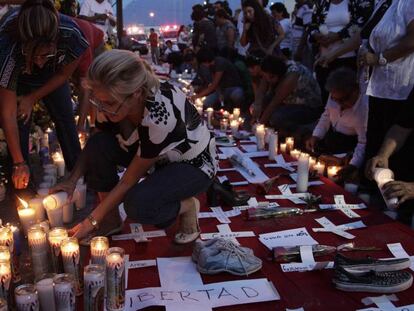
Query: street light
point(151, 14)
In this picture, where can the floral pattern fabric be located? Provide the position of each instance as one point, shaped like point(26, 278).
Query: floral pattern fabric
point(360, 11)
point(173, 131)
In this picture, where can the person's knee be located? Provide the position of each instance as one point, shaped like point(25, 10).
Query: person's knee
point(140, 206)
point(97, 145)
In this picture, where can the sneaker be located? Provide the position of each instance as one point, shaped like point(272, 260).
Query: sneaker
point(372, 281)
point(370, 264)
point(214, 243)
point(228, 257)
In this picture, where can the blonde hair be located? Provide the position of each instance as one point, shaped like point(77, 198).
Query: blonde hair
point(37, 25)
point(122, 73)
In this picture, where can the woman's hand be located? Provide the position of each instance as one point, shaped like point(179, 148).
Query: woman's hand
point(399, 189)
point(67, 186)
point(311, 143)
point(372, 164)
point(21, 176)
point(82, 229)
point(368, 59)
point(325, 59)
point(24, 107)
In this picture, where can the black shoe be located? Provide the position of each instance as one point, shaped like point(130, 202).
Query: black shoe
point(370, 264)
point(372, 282)
point(226, 193)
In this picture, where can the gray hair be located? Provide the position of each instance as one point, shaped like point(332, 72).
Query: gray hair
point(343, 80)
point(122, 73)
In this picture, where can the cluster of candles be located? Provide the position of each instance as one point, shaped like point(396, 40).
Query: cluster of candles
point(57, 207)
point(314, 165)
point(58, 281)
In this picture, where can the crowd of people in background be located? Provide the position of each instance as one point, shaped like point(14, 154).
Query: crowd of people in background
point(337, 75)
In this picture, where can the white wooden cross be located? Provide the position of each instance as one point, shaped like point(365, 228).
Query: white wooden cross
point(342, 206)
point(286, 194)
point(222, 216)
point(226, 233)
point(280, 162)
point(138, 234)
point(328, 226)
point(384, 303)
point(182, 289)
point(399, 252)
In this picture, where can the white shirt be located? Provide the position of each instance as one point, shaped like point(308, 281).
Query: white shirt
point(396, 79)
point(174, 48)
point(351, 121)
point(242, 50)
point(183, 38)
point(305, 13)
point(92, 7)
point(337, 18)
point(287, 28)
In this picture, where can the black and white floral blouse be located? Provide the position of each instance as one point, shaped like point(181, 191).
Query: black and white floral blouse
point(172, 130)
point(360, 11)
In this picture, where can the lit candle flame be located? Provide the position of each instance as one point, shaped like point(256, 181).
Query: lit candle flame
point(24, 203)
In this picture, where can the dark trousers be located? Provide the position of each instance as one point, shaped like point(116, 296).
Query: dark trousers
point(335, 142)
point(381, 117)
point(322, 73)
point(156, 199)
point(59, 106)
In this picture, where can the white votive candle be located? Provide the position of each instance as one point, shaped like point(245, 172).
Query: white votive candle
point(43, 192)
point(27, 216)
point(236, 113)
point(303, 173)
point(319, 168)
point(60, 163)
point(99, 246)
point(71, 260)
point(210, 112)
point(383, 176)
point(283, 147)
point(55, 237)
point(273, 143)
point(46, 293)
point(333, 172)
point(80, 196)
point(94, 281)
point(234, 126)
point(290, 143)
point(37, 240)
point(260, 136)
point(49, 179)
point(37, 205)
point(5, 278)
point(26, 297)
point(295, 153)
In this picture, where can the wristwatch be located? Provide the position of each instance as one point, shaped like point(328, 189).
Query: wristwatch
point(93, 222)
point(382, 61)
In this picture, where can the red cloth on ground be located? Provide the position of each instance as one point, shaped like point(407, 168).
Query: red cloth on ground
point(312, 290)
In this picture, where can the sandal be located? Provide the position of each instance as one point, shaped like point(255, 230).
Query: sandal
point(184, 238)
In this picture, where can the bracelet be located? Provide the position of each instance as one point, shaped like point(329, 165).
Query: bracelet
point(93, 222)
point(18, 164)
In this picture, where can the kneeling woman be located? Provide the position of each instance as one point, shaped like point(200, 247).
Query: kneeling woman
point(169, 136)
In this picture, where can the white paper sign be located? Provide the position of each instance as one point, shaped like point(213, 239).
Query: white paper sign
point(139, 236)
point(222, 216)
point(399, 252)
point(249, 148)
point(136, 265)
point(296, 198)
point(308, 262)
point(226, 233)
point(298, 309)
point(328, 226)
point(209, 295)
point(294, 176)
point(292, 237)
point(183, 290)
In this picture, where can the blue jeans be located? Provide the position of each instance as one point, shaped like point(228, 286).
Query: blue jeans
point(233, 98)
point(59, 105)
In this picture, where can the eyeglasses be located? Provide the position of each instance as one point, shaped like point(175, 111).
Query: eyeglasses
point(100, 106)
point(46, 56)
